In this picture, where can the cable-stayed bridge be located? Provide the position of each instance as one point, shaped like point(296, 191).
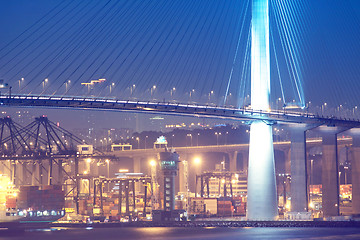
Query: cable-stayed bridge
point(222, 57)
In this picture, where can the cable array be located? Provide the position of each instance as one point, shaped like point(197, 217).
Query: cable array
point(180, 50)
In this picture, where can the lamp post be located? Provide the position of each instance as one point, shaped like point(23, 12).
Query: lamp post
point(145, 141)
point(189, 135)
point(153, 184)
point(197, 164)
point(345, 178)
point(210, 93)
point(197, 139)
point(138, 142)
point(172, 91)
point(44, 83)
point(108, 173)
point(66, 85)
point(217, 137)
point(20, 81)
point(111, 86)
point(191, 93)
point(152, 90)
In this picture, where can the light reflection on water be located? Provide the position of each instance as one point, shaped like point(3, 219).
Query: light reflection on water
point(208, 233)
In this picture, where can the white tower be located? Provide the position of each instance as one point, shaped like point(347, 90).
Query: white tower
point(262, 198)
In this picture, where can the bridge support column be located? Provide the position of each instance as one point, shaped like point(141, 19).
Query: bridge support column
point(137, 169)
point(262, 197)
point(355, 172)
point(60, 172)
point(24, 174)
point(330, 186)
point(13, 172)
point(287, 156)
point(233, 161)
point(182, 180)
point(33, 173)
point(298, 170)
point(245, 160)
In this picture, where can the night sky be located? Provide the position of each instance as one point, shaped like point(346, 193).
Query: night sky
point(185, 48)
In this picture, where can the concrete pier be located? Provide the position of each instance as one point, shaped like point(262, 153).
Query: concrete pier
point(330, 186)
point(298, 170)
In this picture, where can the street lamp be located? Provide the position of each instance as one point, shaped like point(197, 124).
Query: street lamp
point(21, 80)
point(145, 141)
point(345, 179)
point(189, 135)
point(197, 161)
point(138, 142)
point(44, 82)
point(191, 93)
point(132, 89)
point(211, 92)
point(66, 85)
point(172, 91)
point(153, 184)
point(111, 86)
point(354, 110)
point(108, 172)
point(217, 137)
point(152, 89)
point(197, 139)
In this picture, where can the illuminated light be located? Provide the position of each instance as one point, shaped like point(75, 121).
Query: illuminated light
point(85, 172)
point(288, 206)
point(222, 180)
point(311, 205)
point(152, 163)
point(197, 161)
point(161, 140)
point(88, 160)
point(233, 181)
point(123, 170)
point(262, 197)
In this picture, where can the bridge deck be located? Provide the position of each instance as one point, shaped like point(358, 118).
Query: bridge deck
point(242, 114)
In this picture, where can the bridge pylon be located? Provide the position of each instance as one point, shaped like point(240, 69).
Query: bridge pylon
point(262, 197)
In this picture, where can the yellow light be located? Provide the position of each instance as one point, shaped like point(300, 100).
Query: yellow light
point(222, 180)
point(123, 170)
point(311, 205)
point(152, 163)
point(197, 160)
point(287, 206)
point(85, 172)
point(88, 160)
